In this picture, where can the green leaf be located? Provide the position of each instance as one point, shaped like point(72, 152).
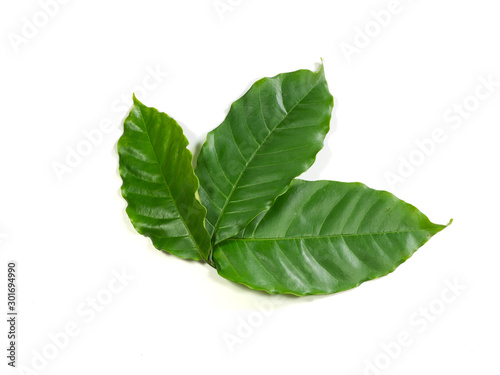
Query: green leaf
point(270, 136)
point(159, 184)
point(323, 237)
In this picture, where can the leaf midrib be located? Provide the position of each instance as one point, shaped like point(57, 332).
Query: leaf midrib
point(327, 236)
point(168, 187)
point(216, 226)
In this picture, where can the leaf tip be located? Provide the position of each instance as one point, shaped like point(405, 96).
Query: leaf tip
point(321, 69)
point(135, 100)
point(440, 227)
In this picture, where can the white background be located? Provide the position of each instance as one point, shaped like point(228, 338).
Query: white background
point(70, 235)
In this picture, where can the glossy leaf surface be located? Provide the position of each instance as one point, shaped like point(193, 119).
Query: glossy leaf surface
point(159, 184)
point(270, 136)
point(323, 237)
